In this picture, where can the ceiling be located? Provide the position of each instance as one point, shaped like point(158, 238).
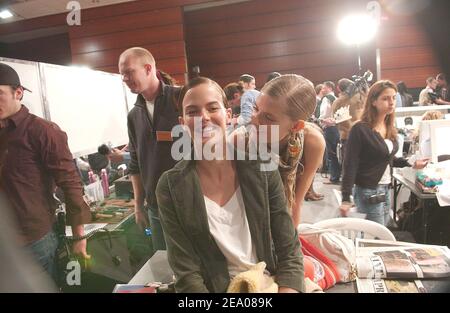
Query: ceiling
point(26, 9)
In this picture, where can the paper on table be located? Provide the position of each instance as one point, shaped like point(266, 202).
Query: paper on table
point(88, 229)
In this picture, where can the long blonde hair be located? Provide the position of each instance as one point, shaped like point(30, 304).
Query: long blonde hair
point(370, 112)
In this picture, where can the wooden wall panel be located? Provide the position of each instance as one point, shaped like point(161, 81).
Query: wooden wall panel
point(127, 39)
point(242, 10)
point(171, 49)
point(99, 42)
point(263, 21)
point(414, 77)
point(108, 30)
point(315, 74)
point(121, 23)
point(51, 49)
point(406, 53)
point(258, 37)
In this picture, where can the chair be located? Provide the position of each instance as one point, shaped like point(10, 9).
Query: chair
point(353, 228)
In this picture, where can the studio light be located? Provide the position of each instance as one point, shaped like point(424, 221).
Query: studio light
point(356, 29)
point(6, 14)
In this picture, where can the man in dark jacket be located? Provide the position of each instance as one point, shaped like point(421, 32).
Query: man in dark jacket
point(149, 128)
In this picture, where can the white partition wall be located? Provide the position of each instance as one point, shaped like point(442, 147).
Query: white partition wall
point(29, 77)
point(131, 97)
point(90, 106)
point(433, 138)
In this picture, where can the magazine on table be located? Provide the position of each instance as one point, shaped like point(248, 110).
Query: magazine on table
point(389, 286)
point(403, 262)
point(372, 243)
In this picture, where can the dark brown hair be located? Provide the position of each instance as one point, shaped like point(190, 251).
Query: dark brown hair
point(196, 82)
point(370, 112)
point(231, 89)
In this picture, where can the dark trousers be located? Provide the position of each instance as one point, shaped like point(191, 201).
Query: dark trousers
point(332, 138)
point(158, 240)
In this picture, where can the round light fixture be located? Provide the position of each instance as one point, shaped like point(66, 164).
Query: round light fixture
point(356, 29)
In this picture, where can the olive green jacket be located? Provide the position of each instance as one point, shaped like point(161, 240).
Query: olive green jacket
point(194, 256)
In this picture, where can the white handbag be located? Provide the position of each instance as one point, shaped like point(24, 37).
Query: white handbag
point(339, 249)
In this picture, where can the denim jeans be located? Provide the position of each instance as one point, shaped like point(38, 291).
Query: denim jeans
point(44, 251)
point(375, 212)
point(158, 240)
point(331, 134)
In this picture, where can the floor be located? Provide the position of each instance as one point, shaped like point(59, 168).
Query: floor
point(314, 211)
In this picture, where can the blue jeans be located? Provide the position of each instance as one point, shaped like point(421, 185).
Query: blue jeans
point(332, 137)
point(375, 212)
point(44, 251)
point(158, 240)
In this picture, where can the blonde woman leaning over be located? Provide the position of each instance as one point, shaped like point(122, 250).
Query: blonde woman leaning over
point(286, 102)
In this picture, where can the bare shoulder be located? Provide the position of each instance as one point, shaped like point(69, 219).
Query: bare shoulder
point(314, 140)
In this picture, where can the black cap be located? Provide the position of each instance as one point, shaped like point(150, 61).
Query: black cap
point(9, 77)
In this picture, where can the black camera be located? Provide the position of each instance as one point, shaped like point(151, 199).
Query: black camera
point(104, 149)
point(360, 83)
point(433, 96)
point(378, 198)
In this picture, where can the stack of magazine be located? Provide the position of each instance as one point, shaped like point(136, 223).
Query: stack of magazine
point(394, 266)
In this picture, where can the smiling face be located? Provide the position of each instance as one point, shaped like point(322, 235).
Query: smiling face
point(204, 113)
point(385, 103)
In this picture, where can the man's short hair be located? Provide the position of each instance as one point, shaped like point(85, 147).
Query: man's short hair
point(318, 88)
point(231, 89)
point(246, 78)
point(344, 84)
point(272, 75)
point(330, 85)
point(13, 90)
point(140, 53)
point(441, 76)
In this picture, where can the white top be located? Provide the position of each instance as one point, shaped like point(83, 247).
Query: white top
point(150, 108)
point(386, 178)
point(325, 107)
point(229, 227)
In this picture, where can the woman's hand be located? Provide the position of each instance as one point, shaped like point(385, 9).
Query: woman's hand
point(345, 208)
point(420, 164)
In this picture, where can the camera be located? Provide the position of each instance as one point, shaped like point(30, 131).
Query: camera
point(360, 83)
point(104, 149)
point(378, 198)
point(433, 96)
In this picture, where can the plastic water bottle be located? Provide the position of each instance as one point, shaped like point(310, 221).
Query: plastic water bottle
point(105, 183)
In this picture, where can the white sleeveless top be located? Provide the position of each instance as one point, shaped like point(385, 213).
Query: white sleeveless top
point(386, 178)
point(229, 227)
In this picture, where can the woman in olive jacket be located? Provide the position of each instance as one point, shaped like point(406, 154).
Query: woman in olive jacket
point(196, 197)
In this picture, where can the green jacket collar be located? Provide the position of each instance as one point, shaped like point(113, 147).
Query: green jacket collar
point(185, 188)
